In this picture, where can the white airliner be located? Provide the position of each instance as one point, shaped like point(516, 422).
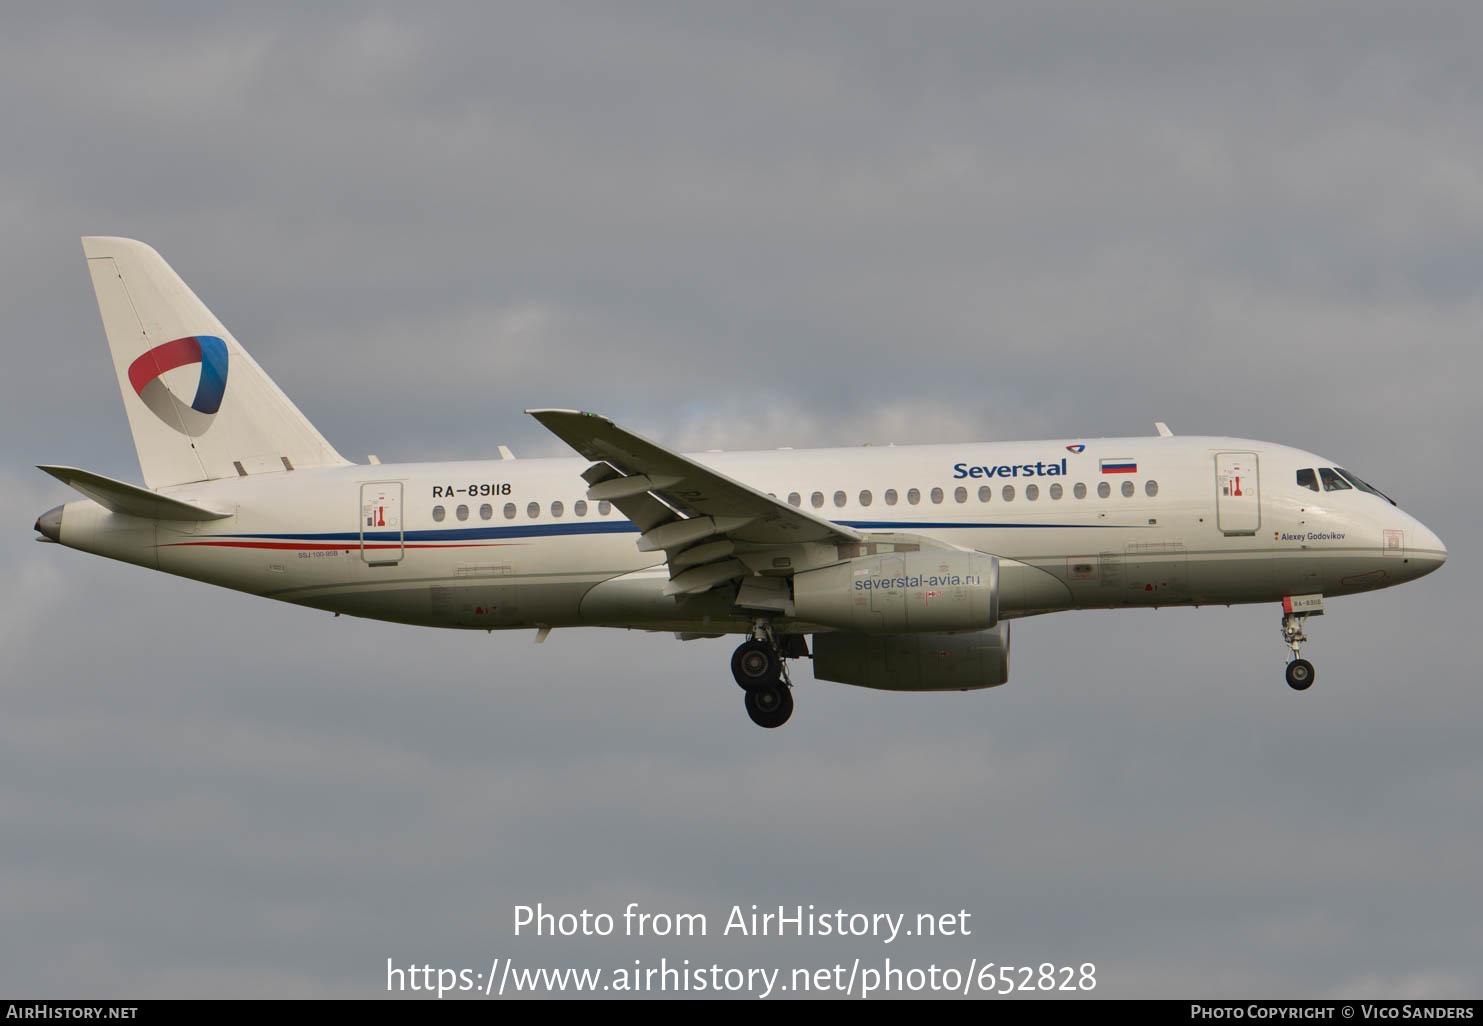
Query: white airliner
point(903, 564)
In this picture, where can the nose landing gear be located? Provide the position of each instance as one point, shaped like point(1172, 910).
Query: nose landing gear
point(1295, 612)
point(761, 669)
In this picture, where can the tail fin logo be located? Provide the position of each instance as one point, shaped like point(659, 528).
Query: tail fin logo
point(146, 375)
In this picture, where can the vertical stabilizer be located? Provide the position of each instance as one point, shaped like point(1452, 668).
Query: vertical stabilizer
point(199, 407)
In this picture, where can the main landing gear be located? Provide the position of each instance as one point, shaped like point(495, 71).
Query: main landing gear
point(1295, 612)
point(759, 667)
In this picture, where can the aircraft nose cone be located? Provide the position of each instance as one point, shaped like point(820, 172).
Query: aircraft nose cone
point(1428, 548)
point(49, 524)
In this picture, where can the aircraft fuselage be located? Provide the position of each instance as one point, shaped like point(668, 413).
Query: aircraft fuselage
point(514, 544)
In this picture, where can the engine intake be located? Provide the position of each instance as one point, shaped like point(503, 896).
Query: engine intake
point(902, 593)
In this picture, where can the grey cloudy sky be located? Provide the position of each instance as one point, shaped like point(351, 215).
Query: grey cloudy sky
point(742, 225)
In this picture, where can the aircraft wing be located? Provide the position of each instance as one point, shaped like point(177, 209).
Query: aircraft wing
point(695, 514)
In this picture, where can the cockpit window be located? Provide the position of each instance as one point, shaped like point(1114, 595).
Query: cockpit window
point(1365, 486)
point(1332, 482)
point(1308, 479)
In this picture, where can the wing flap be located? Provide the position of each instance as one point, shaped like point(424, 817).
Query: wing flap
point(677, 535)
point(646, 511)
point(704, 577)
point(626, 487)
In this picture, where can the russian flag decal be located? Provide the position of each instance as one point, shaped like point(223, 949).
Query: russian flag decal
point(1119, 466)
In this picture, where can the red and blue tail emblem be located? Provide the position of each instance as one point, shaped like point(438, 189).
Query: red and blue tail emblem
point(146, 375)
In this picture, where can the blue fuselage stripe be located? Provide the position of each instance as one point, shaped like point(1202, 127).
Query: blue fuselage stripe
point(613, 527)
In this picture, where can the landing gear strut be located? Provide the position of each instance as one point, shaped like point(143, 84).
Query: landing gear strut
point(759, 667)
point(1295, 613)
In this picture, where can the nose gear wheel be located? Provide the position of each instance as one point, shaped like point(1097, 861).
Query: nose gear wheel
point(1300, 672)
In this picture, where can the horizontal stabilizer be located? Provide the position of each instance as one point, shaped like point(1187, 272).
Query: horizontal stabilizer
point(130, 499)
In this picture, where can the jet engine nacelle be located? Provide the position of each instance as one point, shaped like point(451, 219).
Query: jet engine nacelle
point(902, 593)
point(915, 662)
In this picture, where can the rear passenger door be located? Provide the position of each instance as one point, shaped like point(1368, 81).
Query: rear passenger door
point(381, 538)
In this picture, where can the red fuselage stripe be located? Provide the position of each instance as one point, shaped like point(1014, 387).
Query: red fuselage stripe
point(345, 547)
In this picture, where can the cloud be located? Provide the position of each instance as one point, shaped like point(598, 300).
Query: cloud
point(733, 229)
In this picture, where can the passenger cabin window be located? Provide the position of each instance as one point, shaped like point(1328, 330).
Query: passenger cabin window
point(533, 510)
point(985, 493)
point(1332, 482)
point(913, 496)
point(438, 514)
point(1151, 489)
point(839, 498)
point(1308, 479)
point(937, 496)
point(486, 512)
point(1009, 493)
point(794, 499)
point(462, 512)
point(1032, 492)
point(1055, 491)
point(580, 507)
point(1127, 489)
point(960, 494)
point(1103, 489)
point(557, 508)
point(509, 511)
point(817, 499)
point(890, 496)
point(865, 497)
point(1080, 491)
point(604, 508)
